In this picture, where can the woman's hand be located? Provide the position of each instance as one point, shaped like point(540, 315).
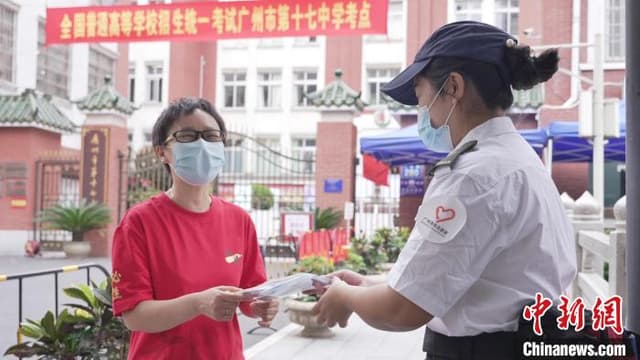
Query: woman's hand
point(350, 277)
point(219, 303)
point(265, 309)
point(332, 308)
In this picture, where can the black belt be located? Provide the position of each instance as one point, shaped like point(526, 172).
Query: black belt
point(494, 346)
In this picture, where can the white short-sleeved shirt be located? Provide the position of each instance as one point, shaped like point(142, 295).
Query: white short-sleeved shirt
point(490, 233)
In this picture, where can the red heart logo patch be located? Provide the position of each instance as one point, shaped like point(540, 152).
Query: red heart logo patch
point(444, 214)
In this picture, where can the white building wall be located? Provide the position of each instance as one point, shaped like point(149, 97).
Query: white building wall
point(142, 120)
point(285, 56)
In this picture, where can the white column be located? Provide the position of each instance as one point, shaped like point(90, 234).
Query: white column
point(598, 121)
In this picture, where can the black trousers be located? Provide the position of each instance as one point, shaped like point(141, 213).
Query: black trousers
point(494, 346)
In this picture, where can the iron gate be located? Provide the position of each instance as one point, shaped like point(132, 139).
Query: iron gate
point(57, 182)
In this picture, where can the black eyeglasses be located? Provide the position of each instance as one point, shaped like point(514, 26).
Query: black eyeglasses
point(187, 136)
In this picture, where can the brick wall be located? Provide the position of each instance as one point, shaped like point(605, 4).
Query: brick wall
point(335, 159)
point(23, 145)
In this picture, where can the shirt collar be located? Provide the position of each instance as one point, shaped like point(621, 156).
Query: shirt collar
point(490, 128)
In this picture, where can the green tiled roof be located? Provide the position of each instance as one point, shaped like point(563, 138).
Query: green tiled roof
point(106, 98)
point(395, 106)
point(337, 94)
point(30, 108)
point(527, 101)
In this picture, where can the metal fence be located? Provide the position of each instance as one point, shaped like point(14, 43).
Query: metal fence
point(376, 206)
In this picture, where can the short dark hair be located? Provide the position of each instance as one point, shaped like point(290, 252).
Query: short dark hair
point(176, 110)
point(526, 71)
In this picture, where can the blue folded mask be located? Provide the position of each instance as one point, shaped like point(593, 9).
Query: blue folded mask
point(198, 162)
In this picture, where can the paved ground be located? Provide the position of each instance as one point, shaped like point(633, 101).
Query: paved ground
point(356, 341)
point(38, 295)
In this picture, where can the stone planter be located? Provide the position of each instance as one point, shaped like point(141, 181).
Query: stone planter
point(77, 249)
point(300, 313)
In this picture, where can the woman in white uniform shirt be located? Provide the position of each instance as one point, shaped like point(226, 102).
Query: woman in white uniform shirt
point(491, 231)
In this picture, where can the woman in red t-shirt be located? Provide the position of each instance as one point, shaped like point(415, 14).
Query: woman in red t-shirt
point(180, 258)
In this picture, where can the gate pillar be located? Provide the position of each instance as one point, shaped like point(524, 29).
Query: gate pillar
point(104, 138)
point(336, 143)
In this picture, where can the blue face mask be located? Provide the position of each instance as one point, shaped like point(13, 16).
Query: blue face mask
point(438, 140)
point(198, 162)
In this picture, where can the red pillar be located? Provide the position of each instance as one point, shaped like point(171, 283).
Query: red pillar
point(335, 159)
point(105, 135)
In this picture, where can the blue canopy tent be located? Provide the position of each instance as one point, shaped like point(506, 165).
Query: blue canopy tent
point(569, 147)
point(404, 147)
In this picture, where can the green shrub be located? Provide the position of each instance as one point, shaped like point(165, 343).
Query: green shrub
point(370, 250)
point(314, 264)
point(81, 331)
point(328, 218)
point(76, 218)
point(261, 197)
point(354, 262)
point(393, 240)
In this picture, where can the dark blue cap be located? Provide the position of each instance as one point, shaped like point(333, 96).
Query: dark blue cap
point(464, 39)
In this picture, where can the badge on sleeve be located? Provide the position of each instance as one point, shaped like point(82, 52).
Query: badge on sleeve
point(441, 218)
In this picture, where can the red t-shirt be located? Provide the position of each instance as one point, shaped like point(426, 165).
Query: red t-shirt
point(162, 251)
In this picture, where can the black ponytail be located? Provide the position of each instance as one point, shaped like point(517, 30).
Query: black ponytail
point(527, 71)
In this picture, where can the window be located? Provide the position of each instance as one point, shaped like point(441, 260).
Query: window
point(269, 89)
point(7, 42)
point(53, 66)
point(234, 84)
point(396, 28)
point(501, 13)
point(375, 79)
point(270, 42)
point(304, 82)
point(100, 65)
point(154, 82)
point(614, 30)
point(468, 10)
point(304, 151)
point(234, 156)
point(267, 157)
point(507, 12)
point(305, 40)
point(132, 83)
point(395, 25)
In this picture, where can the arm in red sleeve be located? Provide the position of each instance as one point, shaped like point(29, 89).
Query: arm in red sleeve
point(253, 271)
point(131, 275)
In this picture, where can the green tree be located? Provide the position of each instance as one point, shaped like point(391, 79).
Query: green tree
point(261, 197)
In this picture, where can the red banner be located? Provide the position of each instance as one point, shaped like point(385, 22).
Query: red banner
point(216, 20)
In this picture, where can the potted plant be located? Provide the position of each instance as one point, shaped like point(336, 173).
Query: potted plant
point(393, 240)
point(78, 219)
point(299, 308)
point(371, 251)
point(327, 219)
point(86, 331)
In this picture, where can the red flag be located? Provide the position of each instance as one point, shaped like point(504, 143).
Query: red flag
point(375, 170)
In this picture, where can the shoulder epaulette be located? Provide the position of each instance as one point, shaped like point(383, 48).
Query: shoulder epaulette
point(453, 156)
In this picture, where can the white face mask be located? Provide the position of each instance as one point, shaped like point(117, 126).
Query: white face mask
point(198, 162)
point(438, 140)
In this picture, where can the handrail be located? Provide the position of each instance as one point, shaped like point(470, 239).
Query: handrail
point(55, 273)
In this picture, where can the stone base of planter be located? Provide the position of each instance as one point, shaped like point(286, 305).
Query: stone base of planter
point(77, 249)
point(300, 313)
